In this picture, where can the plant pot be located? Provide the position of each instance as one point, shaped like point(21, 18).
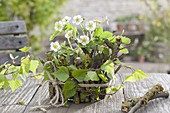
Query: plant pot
point(120, 26)
point(141, 59)
point(83, 94)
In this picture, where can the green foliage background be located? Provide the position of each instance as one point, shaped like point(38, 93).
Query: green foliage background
point(40, 13)
point(158, 19)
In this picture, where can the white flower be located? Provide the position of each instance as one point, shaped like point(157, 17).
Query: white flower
point(55, 46)
point(83, 39)
point(91, 26)
point(66, 20)
point(77, 19)
point(69, 34)
point(59, 26)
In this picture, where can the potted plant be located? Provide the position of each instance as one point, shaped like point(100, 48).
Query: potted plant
point(85, 72)
point(83, 69)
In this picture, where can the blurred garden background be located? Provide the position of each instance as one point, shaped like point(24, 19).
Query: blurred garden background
point(146, 22)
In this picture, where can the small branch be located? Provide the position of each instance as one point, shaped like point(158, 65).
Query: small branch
point(95, 85)
point(118, 68)
point(132, 105)
point(141, 102)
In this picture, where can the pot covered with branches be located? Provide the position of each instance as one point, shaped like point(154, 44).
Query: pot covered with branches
point(83, 69)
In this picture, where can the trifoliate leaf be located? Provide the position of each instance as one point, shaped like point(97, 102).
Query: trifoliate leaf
point(62, 74)
point(137, 75)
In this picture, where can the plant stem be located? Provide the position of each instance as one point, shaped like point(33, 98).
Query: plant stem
point(82, 28)
point(69, 43)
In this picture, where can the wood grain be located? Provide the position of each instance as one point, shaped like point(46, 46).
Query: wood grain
point(12, 27)
point(137, 89)
point(111, 105)
point(9, 100)
point(43, 92)
point(4, 57)
point(13, 42)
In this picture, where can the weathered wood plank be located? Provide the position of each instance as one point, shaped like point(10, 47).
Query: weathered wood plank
point(9, 100)
point(12, 27)
point(137, 89)
point(13, 42)
point(5, 57)
point(45, 99)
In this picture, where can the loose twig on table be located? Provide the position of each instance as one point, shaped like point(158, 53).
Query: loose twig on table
point(132, 105)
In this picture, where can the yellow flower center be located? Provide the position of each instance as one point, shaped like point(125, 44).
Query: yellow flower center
point(77, 19)
point(58, 26)
point(66, 20)
point(84, 39)
point(55, 46)
point(69, 34)
point(90, 25)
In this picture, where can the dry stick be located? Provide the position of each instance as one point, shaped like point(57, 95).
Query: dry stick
point(95, 85)
point(141, 102)
point(132, 105)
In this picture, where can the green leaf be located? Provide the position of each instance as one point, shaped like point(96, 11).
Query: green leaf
point(115, 89)
point(124, 50)
point(103, 77)
point(79, 74)
point(125, 40)
point(69, 89)
point(137, 75)
point(112, 39)
point(46, 76)
point(106, 34)
point(34, 65)
point(91, 75)
point(69, 27)
point(25, 66)
point(21, 103)
point(25, 49)
point(62, 74)
point(72, 67)
point(14, 84)
point(98, 32)
point(108, 67)
point(108, 90)
point(54, 35)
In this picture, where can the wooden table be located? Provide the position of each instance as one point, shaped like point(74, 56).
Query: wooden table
point(29, 95)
